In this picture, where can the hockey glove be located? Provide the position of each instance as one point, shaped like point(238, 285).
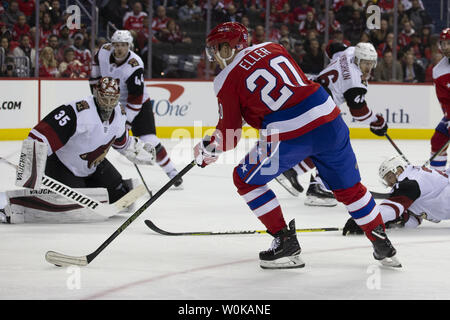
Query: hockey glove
point(205, 153)
point(351, 227)
point(139, 152)
point(379, 127)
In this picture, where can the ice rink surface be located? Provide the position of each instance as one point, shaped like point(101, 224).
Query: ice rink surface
point(140, 264)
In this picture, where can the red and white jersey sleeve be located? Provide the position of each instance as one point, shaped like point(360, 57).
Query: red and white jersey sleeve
point(264, 86)
point(441, 79)
point(132, 21)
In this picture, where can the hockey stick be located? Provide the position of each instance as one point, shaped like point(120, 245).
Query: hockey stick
point(143, 181)
point(60, 259)
point(437, 153)
point(106, 210)
point(153, 227)
point(396, 148)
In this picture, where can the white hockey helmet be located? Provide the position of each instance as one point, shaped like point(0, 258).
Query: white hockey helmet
point(391, 165)
point(365, 51)
point(107, 94)
point(122, 36)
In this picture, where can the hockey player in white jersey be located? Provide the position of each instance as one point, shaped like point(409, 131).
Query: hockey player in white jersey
point(76, 138)
point(418, 193)
point(345, 79)
point(117, 60)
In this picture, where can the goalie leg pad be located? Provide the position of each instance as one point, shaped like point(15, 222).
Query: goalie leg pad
point(34, 206)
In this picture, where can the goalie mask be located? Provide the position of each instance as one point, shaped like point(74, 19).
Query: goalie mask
point(391, 166)
point(107, 94)
point(233, 33)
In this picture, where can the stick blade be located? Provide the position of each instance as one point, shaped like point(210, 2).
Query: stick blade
point(62, 260)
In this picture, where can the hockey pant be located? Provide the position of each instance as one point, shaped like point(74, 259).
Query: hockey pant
point(331, 152)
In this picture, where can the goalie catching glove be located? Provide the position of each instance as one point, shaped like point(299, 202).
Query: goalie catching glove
point(139, 152)
point(205, 152)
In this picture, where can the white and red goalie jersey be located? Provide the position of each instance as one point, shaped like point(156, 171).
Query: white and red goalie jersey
point(342, 79)
point(130, 74)
point(424, 192)
point(78, 136)
point(441, 80)
point(264, 86)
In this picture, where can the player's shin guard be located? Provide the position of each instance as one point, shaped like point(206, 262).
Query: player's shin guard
point(162, 157)
point(263, 202)
point(437, 141)
point(362, 207)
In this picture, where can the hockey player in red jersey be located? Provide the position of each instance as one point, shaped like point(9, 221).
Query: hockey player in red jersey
point(297, 118)
point(418, 193)
point(117, 60)
point(345, 79)
point(441, 79)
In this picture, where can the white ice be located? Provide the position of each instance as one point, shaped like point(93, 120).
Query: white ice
point(140, 264)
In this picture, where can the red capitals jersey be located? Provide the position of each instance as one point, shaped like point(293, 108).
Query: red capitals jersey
point(264, 86)
point(441, 79)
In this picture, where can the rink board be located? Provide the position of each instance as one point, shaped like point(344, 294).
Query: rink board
point(186, 109)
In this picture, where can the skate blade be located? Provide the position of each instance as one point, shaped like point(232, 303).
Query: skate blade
point(283, 263)
point(284, 182)
point(391, 262)
point(320, 202)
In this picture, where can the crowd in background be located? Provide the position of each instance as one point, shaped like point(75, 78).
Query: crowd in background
point(298, 25)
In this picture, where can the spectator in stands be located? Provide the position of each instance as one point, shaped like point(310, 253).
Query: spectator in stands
point(57, 51)
point(56, 13)
point(383, 71)
point(405, 35)
point(345, 12)
point(313, 60)
point(300, 12)
point(173, 34)
point(246, 22)
point(48, 66)
point(413, 70)
point(232, 14)
point(4, 44)
point(285, 16)
point(82, 53)
point(71, 67)
point(8, 70)
point(190, 12)
point(11, 15)
point(388, 45)
point(133, 20)
point(114, 11)
point(354, 27)
point(298, 52)
point(365, 37)
point(310, 23)
point(25, 50)
point(45, 29)
point(64, 40)
point(27, 7)
point(159, 22)
point(418, 16)
point(378, 36)
point(259, 35)
point(334, 25)
point(20, 27)
point(43, 7)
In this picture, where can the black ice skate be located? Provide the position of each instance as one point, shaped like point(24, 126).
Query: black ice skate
point(284, 252)
point(3, 217)
point(288, 180)
point(318, 195)
point(384, 251)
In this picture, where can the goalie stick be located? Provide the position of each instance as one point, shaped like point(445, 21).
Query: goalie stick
point(153, 227)
point(106, 210)
point(397, 148)
point(60, 259)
